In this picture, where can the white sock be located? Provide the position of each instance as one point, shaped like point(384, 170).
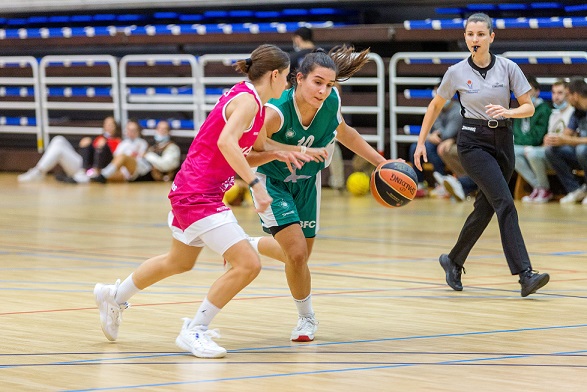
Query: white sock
point(126, 290)
point(254, 241)
point(304, 306)
point(108, 171)
point(205, 314)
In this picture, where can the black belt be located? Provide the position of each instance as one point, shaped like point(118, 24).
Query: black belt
point(487, 123)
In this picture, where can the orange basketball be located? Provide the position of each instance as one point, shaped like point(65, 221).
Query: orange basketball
point(394, 184)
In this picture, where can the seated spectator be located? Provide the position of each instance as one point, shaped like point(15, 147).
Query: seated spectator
point(459, 187)
point(536, 156)
point(568, 150)
point(445, 127)
point(303, 43)
point(528, 136)
point(159, 163)
point(96, 153)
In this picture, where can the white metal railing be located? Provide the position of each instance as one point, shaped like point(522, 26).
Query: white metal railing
point(70, 86)
point(162, 93)
point(20, 86)
point(216, 82)
point(394, 81)
point(407, 133)
point(378, 110)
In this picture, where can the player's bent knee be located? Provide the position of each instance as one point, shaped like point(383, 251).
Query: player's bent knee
point(250, 267)
point(297, 259)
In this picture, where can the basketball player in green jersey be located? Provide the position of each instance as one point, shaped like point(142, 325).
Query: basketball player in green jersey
point(308, 118)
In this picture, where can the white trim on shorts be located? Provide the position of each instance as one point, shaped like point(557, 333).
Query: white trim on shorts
point(218, 232)
point(267, 217)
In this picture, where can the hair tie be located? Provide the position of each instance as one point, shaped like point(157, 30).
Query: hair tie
point(248, 63)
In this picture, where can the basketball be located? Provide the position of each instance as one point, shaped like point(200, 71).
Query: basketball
point(393, 184)
point(358, 184)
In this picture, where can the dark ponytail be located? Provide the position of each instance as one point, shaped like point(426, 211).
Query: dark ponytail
point(343, 60)
point(264, 59)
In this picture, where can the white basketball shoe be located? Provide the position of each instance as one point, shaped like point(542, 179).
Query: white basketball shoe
point(198, 341)
point(110, 311)
point(305, 330)
point(33, 175)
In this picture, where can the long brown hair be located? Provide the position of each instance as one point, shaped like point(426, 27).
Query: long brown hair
point(264, 59)
point(343, 60)
point(117, 127)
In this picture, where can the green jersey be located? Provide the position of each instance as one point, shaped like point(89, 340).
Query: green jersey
point(530, 131)
point(320, 133)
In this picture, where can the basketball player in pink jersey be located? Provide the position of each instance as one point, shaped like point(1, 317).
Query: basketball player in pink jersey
point(198, 216)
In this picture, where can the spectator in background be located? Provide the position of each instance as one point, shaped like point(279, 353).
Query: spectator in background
point(96, 153)
point(568, 150)
point(457, 186)
point(159, 163)
point(445, 128)
point(303, 43)
point(133, 146)
point(536, 156)
point(528, 135)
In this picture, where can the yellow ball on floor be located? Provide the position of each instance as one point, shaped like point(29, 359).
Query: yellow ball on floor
point(358, 184)
point(235, 195)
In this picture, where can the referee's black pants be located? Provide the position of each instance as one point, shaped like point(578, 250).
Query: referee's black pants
point(487, 155)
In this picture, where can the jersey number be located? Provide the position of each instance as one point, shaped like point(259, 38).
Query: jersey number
point(306, 142)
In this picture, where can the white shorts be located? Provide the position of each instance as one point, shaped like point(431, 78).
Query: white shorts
point(218, 232)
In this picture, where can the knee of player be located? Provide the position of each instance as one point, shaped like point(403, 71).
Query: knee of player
point(251, 267)
point(298, 257)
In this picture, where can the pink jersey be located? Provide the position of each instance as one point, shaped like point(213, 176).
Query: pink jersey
point(205, 175)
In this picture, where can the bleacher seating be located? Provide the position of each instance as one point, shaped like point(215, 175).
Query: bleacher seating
point(20, 98)
point(77, 92)
point(527, 9)
point(74, 93)
point(513, 21)
point(166, 84)
point(200, 32)
point(172, 23)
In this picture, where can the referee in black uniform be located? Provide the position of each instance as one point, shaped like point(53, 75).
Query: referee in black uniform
point(485, 144)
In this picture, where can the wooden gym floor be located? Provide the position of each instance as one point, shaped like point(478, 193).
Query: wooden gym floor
point(388, 321)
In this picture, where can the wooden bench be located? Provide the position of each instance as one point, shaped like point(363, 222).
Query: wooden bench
point(522, 188)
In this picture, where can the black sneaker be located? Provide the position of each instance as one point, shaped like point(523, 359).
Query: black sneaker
point(453, 272)
point(531, 281)
point(99, 178)
point(62, 177)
